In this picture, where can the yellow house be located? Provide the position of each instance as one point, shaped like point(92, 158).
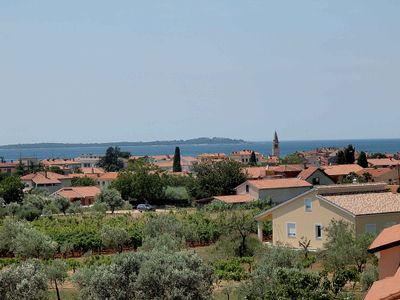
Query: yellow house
point(369, 207)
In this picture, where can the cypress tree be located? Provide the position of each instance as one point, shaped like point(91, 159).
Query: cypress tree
point(253, 159)
point(349, 153)
point(340, 158)
point(176, 167)
point(362, 160)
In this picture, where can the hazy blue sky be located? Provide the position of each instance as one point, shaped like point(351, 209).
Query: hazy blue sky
point(86, 71)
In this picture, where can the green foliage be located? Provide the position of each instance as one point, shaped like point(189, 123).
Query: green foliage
point(368, 276)
point(112, 198)
point(57, 273)
point(111, 161)
point(114, 237)
point(26, 281)
point(230, 269)
point(176, 167)
point(377, 155)
point(143, 182)
point(177, 193)
point(253, 159)
point(340, 158)
point(362, 160)
point(216, 178)
point(75, 208)
point(83, 181)
point(292, 159)
point(62, 203)
point(163, 241)
point(152, 275)
point(57, 170)
point(349, 154)
point(11, 189)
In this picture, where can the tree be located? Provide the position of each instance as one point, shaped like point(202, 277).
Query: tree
point(253, 159)
point(111, 162)
point(349, 154)
point(148, 275)
point(114, 237)
point(176, 167)
point(362, 160)
point(57, 273)
point(11, 189)
point(216, 178)
point(63, 204)
point(57, 170)
point(20, 169)
point(83, 181)
point(242, 224)
point(25, 281)
point(344, 252)
point(341, 160)
point(142, 182)
point(112, 198)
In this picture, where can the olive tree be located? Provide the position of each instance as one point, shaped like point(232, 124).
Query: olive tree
point(112, 198)
point(63, 204)
point(57, 273)
point(26, 281)
point(114, 237)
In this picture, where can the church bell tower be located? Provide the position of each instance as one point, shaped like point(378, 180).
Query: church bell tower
point(275, 146)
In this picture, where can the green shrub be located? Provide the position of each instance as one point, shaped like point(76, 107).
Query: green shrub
point(368, 277)
point(230, 269)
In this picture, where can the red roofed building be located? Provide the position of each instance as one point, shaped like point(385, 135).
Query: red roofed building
point(85, 194)
point(278, 190)
point(386, 247)
point(47, 181)
point(315, 176)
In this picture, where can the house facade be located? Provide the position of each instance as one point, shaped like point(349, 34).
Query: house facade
point(368, 207)
point(315, 176)
point(278, 190)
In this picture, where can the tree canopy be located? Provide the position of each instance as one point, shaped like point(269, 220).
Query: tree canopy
point(111, 161)
point(362, 160)
point(216, 178)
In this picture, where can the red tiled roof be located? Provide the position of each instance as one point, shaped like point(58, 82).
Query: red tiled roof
point(235, 198)
point(109, 176)
point(255, 172)
point(387, 237)
point(307, 172)
point(383, 162)
point(338, 170)
point(385, 289)
point(93, 170)
point(78, 192)
point(287, 168)
point(375, 172)
point(44, 178)
point(279, 183)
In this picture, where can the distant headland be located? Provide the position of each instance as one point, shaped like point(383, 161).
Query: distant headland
point(195, 141)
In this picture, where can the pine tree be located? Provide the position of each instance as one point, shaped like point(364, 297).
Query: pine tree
point(177, 161)
point(253, 159)
point(362, 160)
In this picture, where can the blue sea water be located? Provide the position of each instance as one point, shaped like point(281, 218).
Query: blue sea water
point(287, 147)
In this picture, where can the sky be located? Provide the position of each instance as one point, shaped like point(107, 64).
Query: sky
point(101, 71)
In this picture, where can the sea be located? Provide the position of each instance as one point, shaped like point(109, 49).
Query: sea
point(287, 147)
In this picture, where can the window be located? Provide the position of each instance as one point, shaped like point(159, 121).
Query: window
point(247, 188)
point(291, 229)
point(315, 181)
point(307, 205)
point(318, 231)
point(370, 228)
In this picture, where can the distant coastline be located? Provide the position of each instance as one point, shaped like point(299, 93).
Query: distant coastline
point(195, 141)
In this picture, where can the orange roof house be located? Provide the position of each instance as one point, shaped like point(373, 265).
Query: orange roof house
point(106, 179)
point(385, 174)
point(383, 162)
point(85, 194)
point(338, 172)
point(368, 207)
point(315, 176)
point(48, 181)
point(277, 190)
point(386, 247)
point(255, 172)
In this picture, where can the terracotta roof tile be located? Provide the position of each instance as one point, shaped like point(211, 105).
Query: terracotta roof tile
point(78, 192)
point(386, 237)
point(109, 176)
point(279, 183)
point(383, 162)
point(385, 289)
point(367, 203)
point(307, 172)
point(235, 198)
point(338, 170)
